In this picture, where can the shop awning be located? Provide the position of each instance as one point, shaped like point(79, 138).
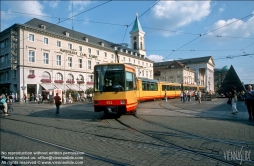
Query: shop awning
point(61, 86)
point(73, 86)
point(82, 87)
point(48, 86)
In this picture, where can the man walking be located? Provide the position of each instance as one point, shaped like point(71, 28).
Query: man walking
point(199, 96)
point(57, 103)
point(249, 101)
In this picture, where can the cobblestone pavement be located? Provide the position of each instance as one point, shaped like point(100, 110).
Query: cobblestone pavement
point(172, 133)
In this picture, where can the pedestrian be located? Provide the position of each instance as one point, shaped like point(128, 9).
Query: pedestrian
point(184, 96)
point(13, 98)
point(199, 96)
point(78, 97)
point(64, 98)
point(181, 96)
point(196, 95)
point(70, 98)
point(91, 97)
point(10, 99)
point(39, 98)
point(249, 102)
point(48, 98)
point(57, 103)
point(84, 96)
point(165, 96)
point(3, 101)
point(24, 97)
point(234, 100)
point(189, 95)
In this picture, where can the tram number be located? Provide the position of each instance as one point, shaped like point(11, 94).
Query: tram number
point(108, 102)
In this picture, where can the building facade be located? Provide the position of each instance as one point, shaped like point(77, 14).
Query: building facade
point(46, 56)
point(203, 68)
point(175, 72)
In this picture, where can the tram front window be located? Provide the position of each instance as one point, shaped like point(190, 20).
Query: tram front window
point(109, 78)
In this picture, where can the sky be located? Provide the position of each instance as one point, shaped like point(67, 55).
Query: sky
point(173, 29)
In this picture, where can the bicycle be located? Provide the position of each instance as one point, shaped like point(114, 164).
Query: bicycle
point(9, 110)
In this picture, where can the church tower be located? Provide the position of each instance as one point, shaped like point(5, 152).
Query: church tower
point(137, 38)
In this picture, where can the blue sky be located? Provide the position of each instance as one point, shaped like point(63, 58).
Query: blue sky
point(173, 29)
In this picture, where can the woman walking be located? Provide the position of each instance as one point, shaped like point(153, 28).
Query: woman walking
point(234, 100)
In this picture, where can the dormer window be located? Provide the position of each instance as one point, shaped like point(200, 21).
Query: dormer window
point(85, 38)
point(102, 44)
point(42, 26)
point(66, 33)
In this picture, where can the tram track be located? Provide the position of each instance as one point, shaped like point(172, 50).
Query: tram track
point(184, 134)
point(60, 147)
point(216, 157)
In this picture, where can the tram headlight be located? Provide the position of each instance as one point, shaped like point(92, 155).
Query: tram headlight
point(122, 102)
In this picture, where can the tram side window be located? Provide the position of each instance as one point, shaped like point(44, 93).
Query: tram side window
point(143, 86)
point(129, 81)
point(154, 86)
point(164, 87)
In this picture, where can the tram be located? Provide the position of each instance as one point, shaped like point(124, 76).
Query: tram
point(118, 90)
point(115, 88)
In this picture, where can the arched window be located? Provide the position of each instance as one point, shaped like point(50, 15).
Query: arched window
point(141, 45)
point(59, 76)
point(135, 45)
point(70, 77)
point(46, 75)
point(80, 77)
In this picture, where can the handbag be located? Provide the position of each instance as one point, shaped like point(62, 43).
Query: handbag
point(60, 102)
point(229, 101)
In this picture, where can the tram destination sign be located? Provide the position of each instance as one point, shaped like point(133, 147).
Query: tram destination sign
point(109, 67)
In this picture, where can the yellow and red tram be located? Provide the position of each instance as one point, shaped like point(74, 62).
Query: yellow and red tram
point(117, 90)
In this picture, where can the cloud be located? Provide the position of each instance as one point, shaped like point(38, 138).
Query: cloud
point(31, 7)
point(237, 28)
point(78, 5)
point(175, 14)
point(53, 4)
point(156, 58)
point(7, 15)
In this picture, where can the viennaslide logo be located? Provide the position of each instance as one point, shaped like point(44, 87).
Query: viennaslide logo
point(237, 155)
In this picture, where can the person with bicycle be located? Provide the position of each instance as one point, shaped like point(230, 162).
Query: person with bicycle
point(3, 101)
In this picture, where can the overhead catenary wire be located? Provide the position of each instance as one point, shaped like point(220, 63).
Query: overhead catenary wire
point(127, 26)
point(200, 35)
point(116, 24)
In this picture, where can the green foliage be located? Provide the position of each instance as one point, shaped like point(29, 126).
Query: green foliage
point(89, 90)
point(74, 93)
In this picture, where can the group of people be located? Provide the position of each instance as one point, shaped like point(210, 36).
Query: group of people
point(186, 96)
point(248, 100)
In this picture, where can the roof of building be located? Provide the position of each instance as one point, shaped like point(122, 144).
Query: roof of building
point(136, 26)
point(205, 59)
point(225, 68)
point(231, 80)
point(59, 30)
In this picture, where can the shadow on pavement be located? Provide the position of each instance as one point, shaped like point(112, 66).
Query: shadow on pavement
point(82, 111)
